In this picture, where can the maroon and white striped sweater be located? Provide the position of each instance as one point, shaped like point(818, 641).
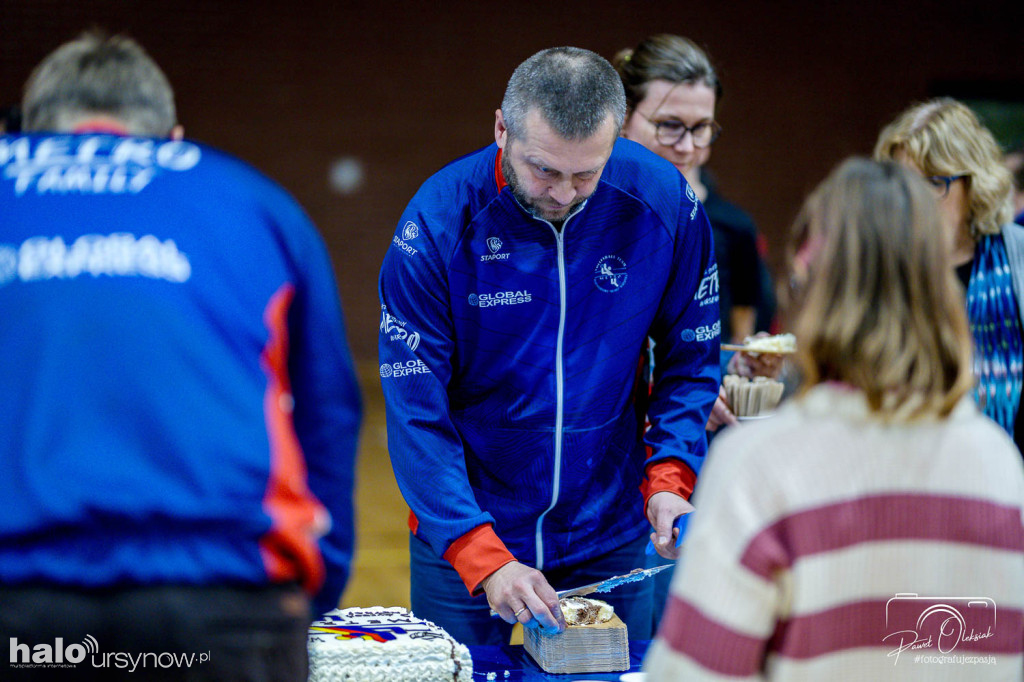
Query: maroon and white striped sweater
point(828, 545)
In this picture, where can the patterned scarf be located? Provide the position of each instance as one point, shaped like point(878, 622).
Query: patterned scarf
point(996, 326)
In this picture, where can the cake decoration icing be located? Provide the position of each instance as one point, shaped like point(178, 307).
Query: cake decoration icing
point(378, 643)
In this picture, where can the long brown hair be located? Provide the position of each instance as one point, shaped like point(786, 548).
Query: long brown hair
point(876, 303)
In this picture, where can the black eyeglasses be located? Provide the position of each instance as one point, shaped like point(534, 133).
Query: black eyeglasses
point(941, 183)
point(669, 133)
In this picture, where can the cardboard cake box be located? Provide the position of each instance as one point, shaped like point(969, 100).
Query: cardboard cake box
point(598, 648)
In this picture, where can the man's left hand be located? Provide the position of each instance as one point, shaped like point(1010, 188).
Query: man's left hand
point(662, 511)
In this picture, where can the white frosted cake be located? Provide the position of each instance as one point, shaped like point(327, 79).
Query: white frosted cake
point(386, 644)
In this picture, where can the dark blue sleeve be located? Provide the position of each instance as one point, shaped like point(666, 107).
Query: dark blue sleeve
point(417, 347)
point(687, 335)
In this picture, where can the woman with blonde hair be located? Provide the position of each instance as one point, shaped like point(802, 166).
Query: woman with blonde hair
point(943, 141)
point(835, 540)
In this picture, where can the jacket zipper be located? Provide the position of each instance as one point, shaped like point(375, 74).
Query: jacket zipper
point(559, 386)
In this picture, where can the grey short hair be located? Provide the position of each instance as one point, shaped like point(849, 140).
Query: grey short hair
point(574, 89)
point(94, 74)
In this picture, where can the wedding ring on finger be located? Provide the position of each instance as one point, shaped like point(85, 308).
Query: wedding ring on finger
point(519, 611)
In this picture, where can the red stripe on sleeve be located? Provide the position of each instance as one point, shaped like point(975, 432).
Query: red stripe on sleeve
point(973, 626)
point(716, 647)
point(977, 626)
point(963, 624)
point(289, 549)
point(901, 516)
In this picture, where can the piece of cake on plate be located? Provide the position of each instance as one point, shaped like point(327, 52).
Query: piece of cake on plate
point(595, 640)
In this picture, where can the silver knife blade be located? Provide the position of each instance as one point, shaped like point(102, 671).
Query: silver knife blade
point(609, 584)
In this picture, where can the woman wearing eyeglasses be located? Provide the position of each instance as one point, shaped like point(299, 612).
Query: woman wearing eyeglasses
point(671, 93)
point(943, 141)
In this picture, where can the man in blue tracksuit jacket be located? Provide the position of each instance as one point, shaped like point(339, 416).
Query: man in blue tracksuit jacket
point(178, 409)
point(516, 297)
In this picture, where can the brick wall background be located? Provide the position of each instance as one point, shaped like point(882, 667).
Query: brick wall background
point(405, 87)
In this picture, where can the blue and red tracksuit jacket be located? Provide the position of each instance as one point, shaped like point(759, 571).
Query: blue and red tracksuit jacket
point(508, 358)
point(177, 399)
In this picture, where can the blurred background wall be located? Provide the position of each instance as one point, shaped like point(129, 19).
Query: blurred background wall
point(397, 89)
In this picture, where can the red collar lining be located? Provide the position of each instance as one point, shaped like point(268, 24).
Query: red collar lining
point(101, 127)
point(499, 177)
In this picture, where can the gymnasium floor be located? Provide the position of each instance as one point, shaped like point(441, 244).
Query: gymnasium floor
point(380, 574)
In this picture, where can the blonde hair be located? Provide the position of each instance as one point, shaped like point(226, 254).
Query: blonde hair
point(944, 137)
point(879, 308)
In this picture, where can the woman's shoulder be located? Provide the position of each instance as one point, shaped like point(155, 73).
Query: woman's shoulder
point(838, 419)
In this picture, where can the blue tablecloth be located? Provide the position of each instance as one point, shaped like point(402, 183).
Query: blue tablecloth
point(522, 668)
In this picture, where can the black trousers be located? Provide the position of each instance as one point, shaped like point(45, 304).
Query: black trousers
point(172, 632)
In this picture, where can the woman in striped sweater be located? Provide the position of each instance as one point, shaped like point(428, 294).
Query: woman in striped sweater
point(874, 528)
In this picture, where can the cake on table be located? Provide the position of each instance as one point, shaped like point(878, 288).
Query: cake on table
point(595, 640)
point(386, 644)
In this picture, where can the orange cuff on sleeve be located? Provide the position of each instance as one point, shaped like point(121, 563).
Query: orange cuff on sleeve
point(476, 555)
point(671, 475)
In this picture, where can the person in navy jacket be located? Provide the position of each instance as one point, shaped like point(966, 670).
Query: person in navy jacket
point(516, 296)
point(179, 408)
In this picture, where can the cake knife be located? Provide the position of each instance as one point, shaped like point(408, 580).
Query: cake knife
point(609, 584)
